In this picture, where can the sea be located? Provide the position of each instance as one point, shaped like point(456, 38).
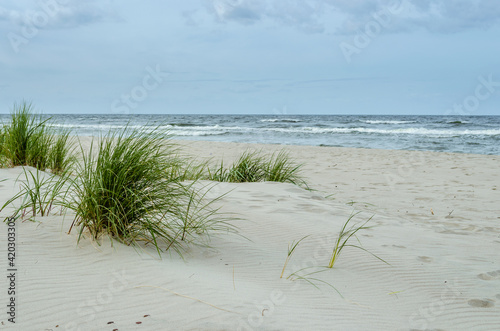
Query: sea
point(456, 134)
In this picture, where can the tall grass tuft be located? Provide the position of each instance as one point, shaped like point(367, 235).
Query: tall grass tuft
point(250, 167)
point(28, 140)
point(4, 160)
point(25, 132)
point(2, 139)
point(282, 169)
point(253, 166)
point(39, 146)
point(61, 152)
point(189, 170)
point(131, 191)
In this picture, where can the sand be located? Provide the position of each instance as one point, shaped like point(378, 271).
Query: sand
point(436, 219)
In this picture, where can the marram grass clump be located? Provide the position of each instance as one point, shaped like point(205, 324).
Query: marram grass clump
point(4, 160)
point(128, 187)
point(61, 156)
point(28, 140)
point(23, 134)
point(254, 166)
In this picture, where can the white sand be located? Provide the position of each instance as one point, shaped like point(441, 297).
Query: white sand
point(437, 219)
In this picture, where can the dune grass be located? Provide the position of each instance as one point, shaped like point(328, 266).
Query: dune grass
point(23, 134)
point(40, 192)
point(61, 154)
point(345, 234)
point(27, 140)
point(307, 277)
point(342, 241)
point(190, 169)
point(281, 168)
point(291, 249)
point(4, 160)
point(39, 146)
point(2, 140)
point(254, 166)
point(131, 185)
point(131, 190)
point(250, 167)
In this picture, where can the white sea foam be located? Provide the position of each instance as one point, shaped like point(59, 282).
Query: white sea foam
point(387, 122)
point(284, 120)
point(218, 130)
point(412, 131)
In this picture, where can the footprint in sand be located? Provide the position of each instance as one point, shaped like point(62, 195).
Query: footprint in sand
point(425, 259)
point(490, 275)
point(481, 303)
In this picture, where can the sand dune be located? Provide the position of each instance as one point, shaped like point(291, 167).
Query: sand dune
point(436, 220)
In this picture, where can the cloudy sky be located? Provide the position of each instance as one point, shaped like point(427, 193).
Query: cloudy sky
point(251, 56)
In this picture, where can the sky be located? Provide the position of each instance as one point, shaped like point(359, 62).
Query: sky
point(409, 57)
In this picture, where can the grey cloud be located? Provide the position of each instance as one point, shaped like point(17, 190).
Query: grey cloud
point(241, 11)
point(302, 14)
point(460, 15)
point(54, 14)
point(3, 14)
point(442, 16)
point(7, 15)
point(305, 15)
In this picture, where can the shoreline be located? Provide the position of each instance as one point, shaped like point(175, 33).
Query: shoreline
point(186, 141)
point(466, 134)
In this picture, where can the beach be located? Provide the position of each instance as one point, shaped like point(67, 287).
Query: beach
point(435, 221)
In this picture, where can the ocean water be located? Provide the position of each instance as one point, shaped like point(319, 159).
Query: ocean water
point(468, 134)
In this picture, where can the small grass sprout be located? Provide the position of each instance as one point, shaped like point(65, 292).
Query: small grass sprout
point(40, 193)
point(345, 235)
point(299, 275)
point(291, 249)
